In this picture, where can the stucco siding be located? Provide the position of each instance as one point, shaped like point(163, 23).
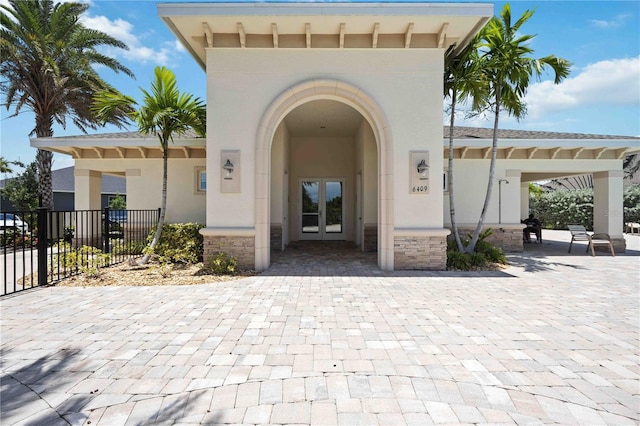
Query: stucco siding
point(144, 185)
point(406, 85)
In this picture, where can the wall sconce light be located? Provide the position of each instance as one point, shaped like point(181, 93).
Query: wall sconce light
point(423, 168)
point(228, 168)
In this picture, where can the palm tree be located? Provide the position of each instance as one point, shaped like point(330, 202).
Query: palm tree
point(5, 165)
point(631, 165)
point(165, 112)
point(463, 80)
point(508, 68)
point(46, 61)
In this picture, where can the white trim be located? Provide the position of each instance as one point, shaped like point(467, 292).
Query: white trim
point(228, 232)
point(421, 232)
point(359, 100)
point(198, 172)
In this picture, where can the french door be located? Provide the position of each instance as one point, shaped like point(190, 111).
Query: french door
point(321, 209)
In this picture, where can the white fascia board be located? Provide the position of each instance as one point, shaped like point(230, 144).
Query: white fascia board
point(297, 9)
point(547, 143)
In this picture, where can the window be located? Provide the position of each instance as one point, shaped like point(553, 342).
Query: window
point(200, 180)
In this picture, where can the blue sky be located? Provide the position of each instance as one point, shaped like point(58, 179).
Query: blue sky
point(600, 38)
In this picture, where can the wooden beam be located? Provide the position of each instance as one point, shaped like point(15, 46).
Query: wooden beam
point(186, 151)
point(307, 30)
point(597, 153)
point(509, 152)
point(487, 153)
point(374, 38)
point(621, 153)
point(98, 151)
point(555, 152)
point(342, 26)
point(142, 151)
point(442, 34)
point(576, 152)
point(407, 36)
point(242, 35)
point(120, 151)
point(76, 152)
point(463, 152)
point(208, 34)
point(274, 30)
point(531, 152)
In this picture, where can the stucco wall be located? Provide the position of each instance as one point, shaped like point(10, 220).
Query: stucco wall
point(471, 176)
point(279, 182)
point(406, 85)
point(144, 185)
point(367, 163)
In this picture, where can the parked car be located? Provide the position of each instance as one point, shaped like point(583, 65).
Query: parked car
point(119, 216)
point(9, 221)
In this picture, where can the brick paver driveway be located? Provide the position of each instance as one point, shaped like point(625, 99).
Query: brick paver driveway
point(553, 339)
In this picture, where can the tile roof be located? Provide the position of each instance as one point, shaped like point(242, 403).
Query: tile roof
point(189, 134)
point(460, 132)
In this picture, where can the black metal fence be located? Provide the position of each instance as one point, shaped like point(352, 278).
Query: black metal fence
point(42, 247)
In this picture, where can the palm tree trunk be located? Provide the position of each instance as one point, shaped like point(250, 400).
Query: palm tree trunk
point(44, 159)
point(45, 186)
point(452, 207)
point(163, 208)
point(492, 169)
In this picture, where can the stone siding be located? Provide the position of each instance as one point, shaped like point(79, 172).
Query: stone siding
point(420, 253)
point(370, 237)
point(508, 239)
point(240, 247)
point(276, 237)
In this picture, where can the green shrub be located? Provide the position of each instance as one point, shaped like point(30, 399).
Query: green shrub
point(222, 264)
point(83, 258)
point(484, 255)
point(127, 247)
point(179, 243)
point(632, 203)
point(557, 209)
point(457, 261)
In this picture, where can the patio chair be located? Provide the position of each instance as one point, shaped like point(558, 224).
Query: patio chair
point(632, 228)
point(579, 233)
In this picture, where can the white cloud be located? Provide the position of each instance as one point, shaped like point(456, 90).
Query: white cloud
point(611, 82)
point(124, 31)
point(617, 22)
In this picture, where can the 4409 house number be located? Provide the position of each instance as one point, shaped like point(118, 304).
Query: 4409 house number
point(420, 188)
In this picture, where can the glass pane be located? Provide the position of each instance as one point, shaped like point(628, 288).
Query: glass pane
point(333, 201)
point(310, 197)
point(203, 181)
point(310, 219)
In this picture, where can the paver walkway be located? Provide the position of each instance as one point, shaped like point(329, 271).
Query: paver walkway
point(552, 339)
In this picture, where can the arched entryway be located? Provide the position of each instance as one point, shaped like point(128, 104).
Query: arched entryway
point(305, 127)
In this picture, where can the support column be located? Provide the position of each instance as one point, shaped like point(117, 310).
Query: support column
point(87, 200)
point(88, 188)
point(524, 200)
point(608, 206)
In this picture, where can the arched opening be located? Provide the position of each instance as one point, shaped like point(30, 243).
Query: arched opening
point(323, 171)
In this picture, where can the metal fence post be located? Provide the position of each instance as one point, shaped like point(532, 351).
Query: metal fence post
point(106, 231)
point(42, 246)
